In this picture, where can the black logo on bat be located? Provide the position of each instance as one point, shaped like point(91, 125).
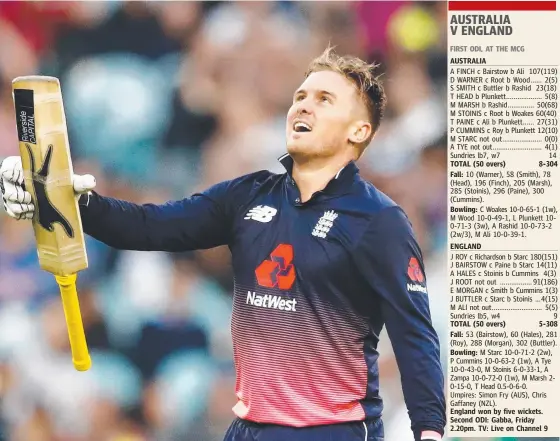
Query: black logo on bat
point(46, 211)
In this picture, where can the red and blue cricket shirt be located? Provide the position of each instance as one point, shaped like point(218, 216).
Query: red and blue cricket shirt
point(315, 283)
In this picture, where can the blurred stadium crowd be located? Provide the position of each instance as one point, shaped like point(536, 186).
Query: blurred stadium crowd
point(163, 99)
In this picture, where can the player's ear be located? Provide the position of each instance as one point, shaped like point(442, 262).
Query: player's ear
point(359, 132)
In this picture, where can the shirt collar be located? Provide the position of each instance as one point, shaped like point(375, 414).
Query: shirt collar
point(339, 183)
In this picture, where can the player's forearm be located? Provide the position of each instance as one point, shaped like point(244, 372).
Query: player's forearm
point(424, 395)
point(119, 224)
point(126, 225)
point(193, 223)
point(418, 358)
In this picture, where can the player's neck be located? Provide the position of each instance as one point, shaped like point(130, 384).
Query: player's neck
point(314, 174)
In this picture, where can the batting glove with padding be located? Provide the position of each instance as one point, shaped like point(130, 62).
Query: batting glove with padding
point(17, 201)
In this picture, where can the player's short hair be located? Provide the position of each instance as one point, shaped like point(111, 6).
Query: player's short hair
point(362, 74)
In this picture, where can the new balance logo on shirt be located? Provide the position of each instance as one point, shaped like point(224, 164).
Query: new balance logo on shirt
point(261, 213)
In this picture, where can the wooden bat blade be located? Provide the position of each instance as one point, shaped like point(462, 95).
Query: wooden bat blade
point(47, 165)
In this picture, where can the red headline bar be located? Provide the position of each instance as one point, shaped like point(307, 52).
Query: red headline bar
point(490, 5)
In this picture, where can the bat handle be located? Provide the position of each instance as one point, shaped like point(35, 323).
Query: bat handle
point(71, 305)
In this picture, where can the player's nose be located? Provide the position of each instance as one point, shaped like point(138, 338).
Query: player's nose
point(304, 107)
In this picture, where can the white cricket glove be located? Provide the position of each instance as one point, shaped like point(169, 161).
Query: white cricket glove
point(17, 201)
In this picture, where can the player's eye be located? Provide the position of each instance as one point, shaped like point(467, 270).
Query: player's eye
point(325, 99)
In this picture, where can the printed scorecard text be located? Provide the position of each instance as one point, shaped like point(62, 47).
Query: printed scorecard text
point(504, 224)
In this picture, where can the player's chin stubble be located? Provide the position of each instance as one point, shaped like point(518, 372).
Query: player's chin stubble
point(298, 147)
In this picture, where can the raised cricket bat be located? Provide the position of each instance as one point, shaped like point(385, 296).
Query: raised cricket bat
point(47, 167)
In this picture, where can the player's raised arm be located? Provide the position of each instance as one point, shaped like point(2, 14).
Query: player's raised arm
point(390, 259)
point(197, 222)
point(200, 221)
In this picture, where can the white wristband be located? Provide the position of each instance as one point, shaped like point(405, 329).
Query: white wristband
point(430, 434)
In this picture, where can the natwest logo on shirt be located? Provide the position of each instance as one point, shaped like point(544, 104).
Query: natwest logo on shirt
point(270, 301)
point(278, 271)
point(416, 275)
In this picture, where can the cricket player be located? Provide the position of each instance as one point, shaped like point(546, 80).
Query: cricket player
point(322, 261)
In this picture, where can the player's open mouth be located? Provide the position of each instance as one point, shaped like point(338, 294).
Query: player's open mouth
point(301, 127)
